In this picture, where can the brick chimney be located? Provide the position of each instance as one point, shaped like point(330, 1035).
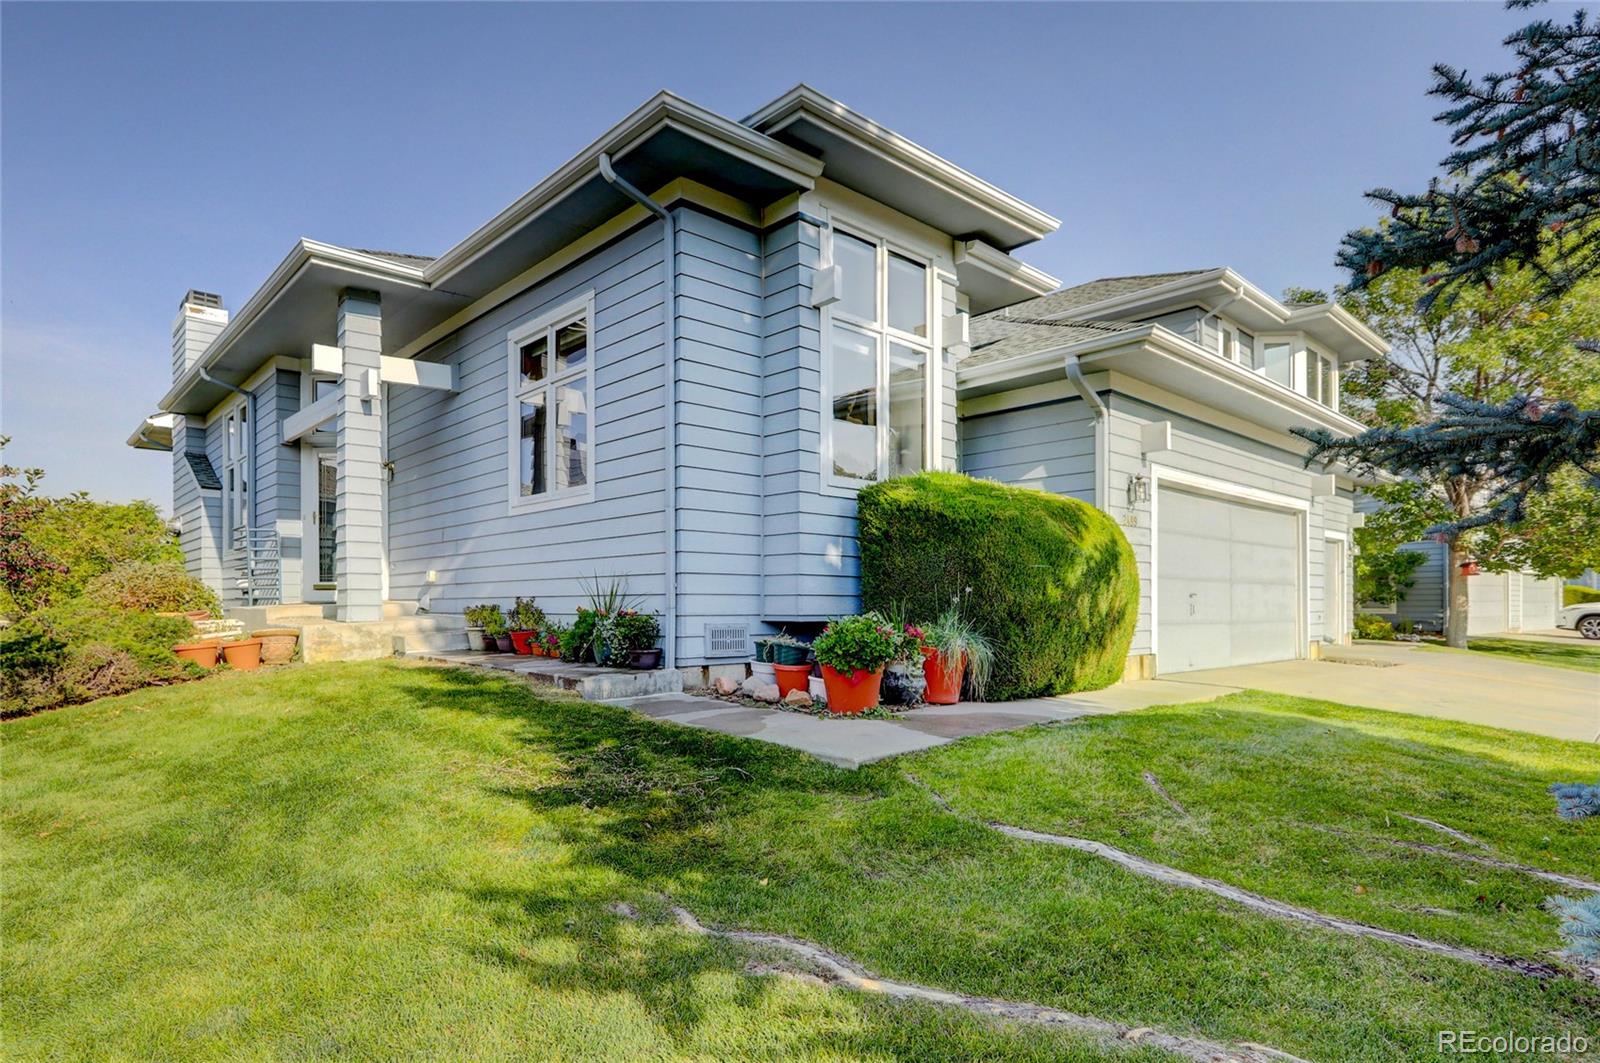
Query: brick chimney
point(200, 318)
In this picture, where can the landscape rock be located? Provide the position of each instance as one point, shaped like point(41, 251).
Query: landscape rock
point(799, 698)
point(724, 686)
point(749, 687)
point(766, 692)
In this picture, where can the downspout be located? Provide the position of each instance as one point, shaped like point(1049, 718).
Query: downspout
point(670, 302)
point(1200, 326)
point(1102, 447)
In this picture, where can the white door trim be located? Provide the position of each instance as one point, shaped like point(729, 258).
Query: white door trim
point(1210, 485)
point(1347, 588)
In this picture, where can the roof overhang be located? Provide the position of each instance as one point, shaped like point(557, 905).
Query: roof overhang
point(993, 279)
point(154, 432)
point(881, 164)
point(665, 139)
point(1249, 306)
point(1161, 357)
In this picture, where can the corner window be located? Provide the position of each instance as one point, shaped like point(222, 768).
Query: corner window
point(877, 358)
point(1277, 363)
point(551, 376)
point(1328, 388)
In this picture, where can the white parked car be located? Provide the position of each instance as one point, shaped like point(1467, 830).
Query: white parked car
point(1583, 618)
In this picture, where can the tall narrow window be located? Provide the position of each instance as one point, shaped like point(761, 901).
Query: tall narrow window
point(552, 387)
point(1247, 350)
point(877, 360)
point(1329, 386)
point(236, 475)
point(1277, 362)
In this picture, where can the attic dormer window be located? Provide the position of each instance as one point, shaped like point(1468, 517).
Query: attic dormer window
point(878, 346)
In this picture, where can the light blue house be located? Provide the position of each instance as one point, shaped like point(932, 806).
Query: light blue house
point(676, 359)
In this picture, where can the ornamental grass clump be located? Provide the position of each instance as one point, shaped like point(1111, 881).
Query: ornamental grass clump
point(959, 644)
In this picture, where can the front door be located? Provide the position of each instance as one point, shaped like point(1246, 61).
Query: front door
point(323, 521)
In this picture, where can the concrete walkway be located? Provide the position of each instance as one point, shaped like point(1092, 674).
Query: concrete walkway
point(1482, 688)
point(851, 743)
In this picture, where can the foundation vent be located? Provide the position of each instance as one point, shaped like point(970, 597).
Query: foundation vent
point(727, 640)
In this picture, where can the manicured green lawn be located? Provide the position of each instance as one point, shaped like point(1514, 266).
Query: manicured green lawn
point(1582, 655)
point(382, 860)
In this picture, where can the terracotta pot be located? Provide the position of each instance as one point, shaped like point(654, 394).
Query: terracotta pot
point(202, 653)
point(537, 649)
point(243, 654)
point(475, 639)
point(502, 643)
point(277, 644)
point(198, 614)
point(852, 692)
point(522, 642)
point(791, 677)
point(944, 683)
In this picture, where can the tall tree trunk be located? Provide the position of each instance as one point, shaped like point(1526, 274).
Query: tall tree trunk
point(1456, 615)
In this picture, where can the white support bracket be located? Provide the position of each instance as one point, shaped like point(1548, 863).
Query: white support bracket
point(825, 286)
point(406, 372)
point(1155, 437)
point(1324, 485)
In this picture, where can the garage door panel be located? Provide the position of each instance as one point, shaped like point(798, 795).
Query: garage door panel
point(1228, 582)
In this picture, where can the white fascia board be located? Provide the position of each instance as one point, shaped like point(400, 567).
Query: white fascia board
point(664, 107)
point(1357, 330)
point(803, 100)
point(979, 255)
point(154, 432)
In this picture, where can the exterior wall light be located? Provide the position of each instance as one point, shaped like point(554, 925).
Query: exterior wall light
point(1138, 489)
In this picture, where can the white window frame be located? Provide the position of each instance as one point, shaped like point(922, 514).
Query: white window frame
point(884, 334)
point(578, 309)
point(236, 471)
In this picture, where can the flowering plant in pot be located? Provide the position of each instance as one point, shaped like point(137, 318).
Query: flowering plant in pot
point(550, 637)
point(497, 631)
point(477, 617)
point(852, 652)
point(636, 635)
point(952, 649)
point(524, 622)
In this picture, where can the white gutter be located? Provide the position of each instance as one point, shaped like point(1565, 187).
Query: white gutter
point(1102, 457)
point(669, 239)
point(1200, 328)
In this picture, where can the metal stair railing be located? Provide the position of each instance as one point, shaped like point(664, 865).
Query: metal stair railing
point(261, 582)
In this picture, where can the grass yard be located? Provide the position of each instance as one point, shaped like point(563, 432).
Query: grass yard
point(1580, 654)
point(390, 861)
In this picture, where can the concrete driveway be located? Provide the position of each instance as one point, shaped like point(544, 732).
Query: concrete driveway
point(1470, 687)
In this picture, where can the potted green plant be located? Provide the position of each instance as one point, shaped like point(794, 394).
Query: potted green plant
point(952, 649)
point(550, 637)
point(475, 616)
point(852, 652)
point(577, 641)
point(524, 623)
point(496, 630)
point(606, 600)
point(636, 636)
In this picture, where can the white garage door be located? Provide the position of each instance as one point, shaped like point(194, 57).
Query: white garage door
point(1227, 582)
point(1539, 597)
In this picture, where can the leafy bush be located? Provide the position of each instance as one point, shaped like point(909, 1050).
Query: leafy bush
point(154, 586)
point(1579, 595)
point(577, 641)
point(30, 661)
point(77, 651)
point(862, 643)
point(84, 538)
point(636, 631)
point(1050, 581)
point(478, 615)
point(1369, 626)
point(525, 616)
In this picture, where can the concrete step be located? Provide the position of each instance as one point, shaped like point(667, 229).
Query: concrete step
point(590, 682)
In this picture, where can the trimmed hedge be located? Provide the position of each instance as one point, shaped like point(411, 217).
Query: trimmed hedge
point(1049, 579)
point(1574, 595)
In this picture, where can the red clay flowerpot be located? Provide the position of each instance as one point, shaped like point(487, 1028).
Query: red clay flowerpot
point(791, 677)
point(277, 644)
point(243, 654)
point(522, 642)
point(852, 692)
point(944, 683)
point(202, 653)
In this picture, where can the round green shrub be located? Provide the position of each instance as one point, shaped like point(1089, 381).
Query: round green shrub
point(1575, 595)
point(1049, 580)
point(151, 586)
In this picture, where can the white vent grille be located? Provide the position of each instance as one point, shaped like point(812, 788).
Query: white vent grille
point(727, 640)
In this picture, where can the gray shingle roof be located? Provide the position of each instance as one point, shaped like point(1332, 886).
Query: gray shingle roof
point(996, 338)
point(1095, 291)
point(395, 256)
point(1021, 329)
point(205, 477)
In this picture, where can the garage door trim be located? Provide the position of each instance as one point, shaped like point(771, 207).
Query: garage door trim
point(1197, 483)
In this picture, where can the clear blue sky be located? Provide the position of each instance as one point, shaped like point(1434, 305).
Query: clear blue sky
point(147, 149)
